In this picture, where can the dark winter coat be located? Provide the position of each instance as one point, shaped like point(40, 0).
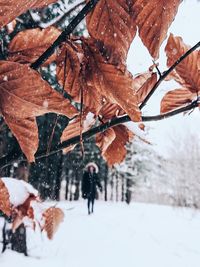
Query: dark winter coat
point(90, 183)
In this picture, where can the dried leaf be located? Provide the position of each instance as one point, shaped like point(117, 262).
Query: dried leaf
point(143, 84)
point(68, 68)
point(70, 77)
point(186, 73)
point(5, 205)
point(28, 45)
point(25, 130)
point(198, 62)
point(110, 111)
point(141, 126)
point(73, 128)
point(111, 22)
point(176, 99)
point(153, 19)
point(25, 95)
point(53, 217)
point(116, 85)
point(105, 139)
point(116, 151)
point(10, 9)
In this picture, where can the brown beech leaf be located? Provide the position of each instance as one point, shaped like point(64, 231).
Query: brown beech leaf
point(198, 62)
point(105, 139)
point(69, 61)
point(24, 95)
point(74, 128)
point(143, 84)
point(28, 45)
point(176, 99)
point(5, 205)
point(25, 130)
point(116, 151)
point(10, 9)
point(111, 22)
point(186, 73)
point(53, 217)
point(114, 84)
point(153, 19)
point(110, 111)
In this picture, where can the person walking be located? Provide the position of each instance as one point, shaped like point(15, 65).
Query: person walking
point(90, 182)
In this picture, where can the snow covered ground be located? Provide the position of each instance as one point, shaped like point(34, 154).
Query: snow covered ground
point(116, 235)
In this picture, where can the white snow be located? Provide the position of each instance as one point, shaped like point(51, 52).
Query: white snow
point(89, 120)
point(135, 129)
point(18, 190)
point(116, 235)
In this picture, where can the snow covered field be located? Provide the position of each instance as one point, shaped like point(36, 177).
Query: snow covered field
point(117, 235)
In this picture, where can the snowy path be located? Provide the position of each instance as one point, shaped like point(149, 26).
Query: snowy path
point(118, 235)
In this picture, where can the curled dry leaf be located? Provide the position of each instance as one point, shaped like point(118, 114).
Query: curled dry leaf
point(53, 217)
point(153, 19)
point(5, 205)
point(176, 99)
point(113, 140)
point(143, 84)
point(25, 130)
point(10, 9)
point(116, 151)
point(68, 68)
point(28, 45)
point(105, 139)
point(186, 73)
point(74, 128)
point(111, 22)
point(69, 74)
point(109, 111)
point(25, 95)
point(141, 126)
point(114, 84)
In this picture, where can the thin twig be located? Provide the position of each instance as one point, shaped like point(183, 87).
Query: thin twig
point(166, 73)
point(7, 160)
point(65, 34)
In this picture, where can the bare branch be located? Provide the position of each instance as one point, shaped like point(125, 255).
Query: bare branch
point(9, 159)
point(166, 73)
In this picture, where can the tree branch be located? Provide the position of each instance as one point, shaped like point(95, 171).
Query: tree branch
point(62, 37)
point(166, 73)
point(9, 159)
point(57, 20)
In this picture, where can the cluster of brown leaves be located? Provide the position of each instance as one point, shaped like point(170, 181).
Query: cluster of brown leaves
point(27, 207)
point(187, 74)
point(91, 70)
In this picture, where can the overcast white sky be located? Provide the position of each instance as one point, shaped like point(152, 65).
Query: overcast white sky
point(186, 25)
